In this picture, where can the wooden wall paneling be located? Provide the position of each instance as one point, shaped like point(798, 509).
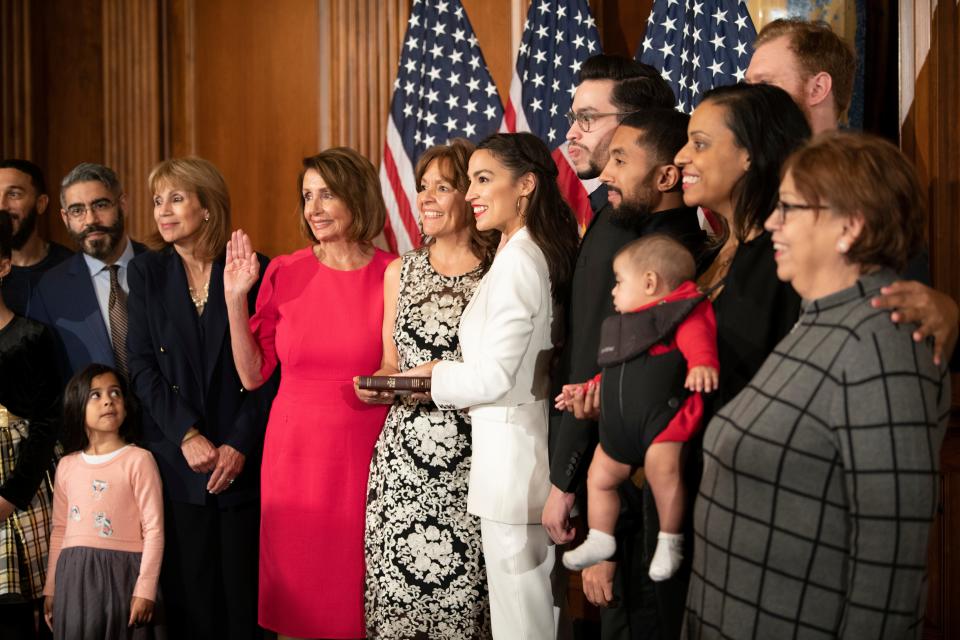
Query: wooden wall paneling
point(254, 105)
point(16, 81)
point(132, 102)
point(491, 22)
point(365, 41)
point(69, 93)
point(930, 101)
point(621, 23)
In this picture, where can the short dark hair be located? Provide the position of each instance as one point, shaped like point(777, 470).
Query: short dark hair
point(662, 254)
point(638, 85)
point(663, 132)
point(769, 126)
point(6, 235)
point(818, 48)
point(352, 178)
point(859, 173)
point(29, 168)
point(75, 408)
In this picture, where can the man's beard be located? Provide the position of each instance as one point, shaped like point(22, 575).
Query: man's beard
point(100, 248)
point(633, 214)
point(25, 230)
point(594, 168)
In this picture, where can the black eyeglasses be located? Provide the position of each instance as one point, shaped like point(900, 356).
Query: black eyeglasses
point(77, 211)
point(783, 208)
point(585, 118)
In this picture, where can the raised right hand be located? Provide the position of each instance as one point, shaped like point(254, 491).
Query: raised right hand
point(242, 268)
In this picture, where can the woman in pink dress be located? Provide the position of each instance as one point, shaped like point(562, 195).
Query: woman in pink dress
point(319, 316)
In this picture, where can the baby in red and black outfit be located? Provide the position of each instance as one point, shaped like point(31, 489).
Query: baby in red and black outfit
point(651, 403)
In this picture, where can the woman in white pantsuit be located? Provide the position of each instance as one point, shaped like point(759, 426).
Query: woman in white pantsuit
point(506, 340)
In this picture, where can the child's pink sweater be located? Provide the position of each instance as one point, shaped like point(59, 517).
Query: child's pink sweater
point(116, 505)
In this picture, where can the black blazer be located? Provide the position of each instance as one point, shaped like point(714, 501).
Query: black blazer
point(572, 441)
point(65, 301)
point(182, 369)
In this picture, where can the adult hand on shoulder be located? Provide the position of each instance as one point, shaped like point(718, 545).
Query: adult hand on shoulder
point(242, 268)
point(229, 465)
point(598, 583)
point(556, 516)
point(6, 509)
point(200, 453)
point(141, 611)
point(48, 611)
point(935, 313)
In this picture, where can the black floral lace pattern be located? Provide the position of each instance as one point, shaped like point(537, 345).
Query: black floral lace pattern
point(425, 575)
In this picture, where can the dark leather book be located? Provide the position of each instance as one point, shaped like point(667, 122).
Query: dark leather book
point(398, 384)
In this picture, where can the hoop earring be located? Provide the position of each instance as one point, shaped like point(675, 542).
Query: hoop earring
point(520, 211)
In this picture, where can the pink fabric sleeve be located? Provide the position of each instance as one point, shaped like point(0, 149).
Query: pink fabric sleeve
point(59, 525)
point(263, 324)
point(697, 337)
point(148, 491)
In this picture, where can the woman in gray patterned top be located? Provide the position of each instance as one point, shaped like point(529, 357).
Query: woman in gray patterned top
point(820, 478)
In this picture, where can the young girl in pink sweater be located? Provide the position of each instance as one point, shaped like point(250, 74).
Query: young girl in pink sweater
point(107, 540)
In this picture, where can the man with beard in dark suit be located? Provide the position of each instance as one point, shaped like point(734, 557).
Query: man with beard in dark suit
point(643, 198)
point(74, 298)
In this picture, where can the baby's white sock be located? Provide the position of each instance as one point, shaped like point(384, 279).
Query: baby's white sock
point(598, 546)
point(667, 557)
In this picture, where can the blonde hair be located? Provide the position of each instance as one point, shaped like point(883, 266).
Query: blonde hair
point(204, 179)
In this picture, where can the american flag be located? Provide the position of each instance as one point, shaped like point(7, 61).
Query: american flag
point(557, 37)
point(698, 45)
point(443, 90)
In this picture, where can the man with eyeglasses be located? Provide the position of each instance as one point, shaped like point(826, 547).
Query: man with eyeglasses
point(23, 195)
point(84, 299)
point(610, 88)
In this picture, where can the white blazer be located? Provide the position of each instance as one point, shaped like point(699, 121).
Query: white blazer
point(505, 338)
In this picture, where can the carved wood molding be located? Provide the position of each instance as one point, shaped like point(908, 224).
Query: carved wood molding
point(16, 87)
point(132, 101)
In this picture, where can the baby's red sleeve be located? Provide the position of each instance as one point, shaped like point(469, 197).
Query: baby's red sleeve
point(697, 337)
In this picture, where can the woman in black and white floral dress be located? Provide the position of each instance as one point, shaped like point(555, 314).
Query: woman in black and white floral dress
point(425, 572)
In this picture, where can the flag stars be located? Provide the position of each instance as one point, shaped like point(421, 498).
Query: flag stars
point(697, 9)
point(558, 36)
point(452, 101)
point(432, 96)
point(436, 51)
point(696, 35)
point(434, 74)
point(741, 48)
point(430, 119)
point(454, 79)
point(540, 56)
point(575, 66)
point(717, 42)
point(490, 112)
point(459, 35)
point(439, 29)
point(407, 110)
point(720, 16)
point(411, 43)
point(741, 22)
point(469, 129)
point(647, 44)
point(739, 74)
point(578, 42)
point(450, 124)
point(537, 80)
point(666, 50)
point(542, 32)
point(716, 67)
point(669, 24)
point(473, 84)
point(474, 62)
point(428, 141)
point(491, 90)
point(470, 107)
point(536, 104)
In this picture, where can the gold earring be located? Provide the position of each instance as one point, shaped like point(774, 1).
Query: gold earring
point(520, 211)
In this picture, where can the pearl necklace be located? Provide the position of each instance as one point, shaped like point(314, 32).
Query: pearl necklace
point(200, 301)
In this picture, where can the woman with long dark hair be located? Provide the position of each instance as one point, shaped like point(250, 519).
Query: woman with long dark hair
point(506, 341)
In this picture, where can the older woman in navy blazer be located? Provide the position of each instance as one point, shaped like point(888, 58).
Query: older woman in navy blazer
point(206, 431)
point(506, 335)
